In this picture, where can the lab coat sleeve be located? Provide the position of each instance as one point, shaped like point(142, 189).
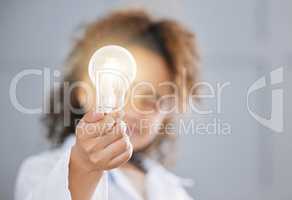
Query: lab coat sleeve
point(44, 177)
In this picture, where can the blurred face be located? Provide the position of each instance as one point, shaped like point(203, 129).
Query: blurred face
point(142, 113)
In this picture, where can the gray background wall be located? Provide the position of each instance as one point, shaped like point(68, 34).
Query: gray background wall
point(240, 42)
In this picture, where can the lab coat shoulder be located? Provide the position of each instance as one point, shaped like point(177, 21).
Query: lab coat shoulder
point(44, 176)
point(168, 185)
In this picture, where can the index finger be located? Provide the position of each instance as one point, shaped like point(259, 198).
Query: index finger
point(93, 116)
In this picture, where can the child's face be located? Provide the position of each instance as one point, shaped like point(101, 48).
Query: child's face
point(141, 111)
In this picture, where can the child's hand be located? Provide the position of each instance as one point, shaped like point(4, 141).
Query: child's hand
point(101, 143)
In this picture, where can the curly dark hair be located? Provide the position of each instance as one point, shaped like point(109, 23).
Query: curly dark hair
point(168, 38)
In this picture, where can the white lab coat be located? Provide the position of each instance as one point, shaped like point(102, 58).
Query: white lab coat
point(45, 177)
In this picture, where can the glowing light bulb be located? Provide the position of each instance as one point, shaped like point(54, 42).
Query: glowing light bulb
point(112, 69)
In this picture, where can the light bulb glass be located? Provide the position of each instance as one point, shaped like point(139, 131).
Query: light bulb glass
point(112, 69)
